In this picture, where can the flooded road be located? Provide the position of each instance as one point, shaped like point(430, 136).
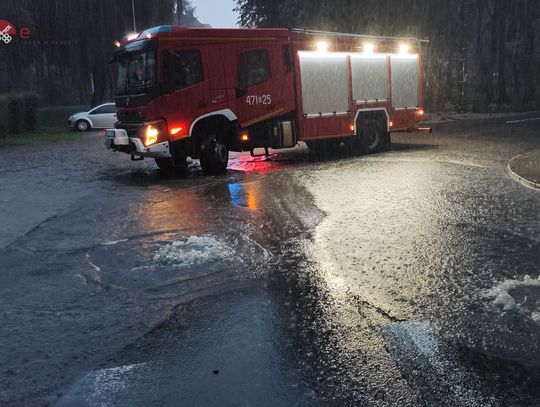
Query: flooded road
point(403, 278)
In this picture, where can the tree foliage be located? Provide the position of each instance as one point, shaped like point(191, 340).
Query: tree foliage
point(66, 60)
point(490, 46)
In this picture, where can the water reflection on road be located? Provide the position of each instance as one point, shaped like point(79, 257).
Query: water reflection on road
point(288, 281)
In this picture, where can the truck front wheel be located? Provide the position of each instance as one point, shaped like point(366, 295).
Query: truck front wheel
point(214, 156)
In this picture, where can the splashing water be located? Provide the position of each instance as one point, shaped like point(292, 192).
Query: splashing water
point(192, 251)
point(516, 295)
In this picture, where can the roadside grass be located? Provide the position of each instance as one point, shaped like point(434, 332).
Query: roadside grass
point(41, 136)
point(52, 127)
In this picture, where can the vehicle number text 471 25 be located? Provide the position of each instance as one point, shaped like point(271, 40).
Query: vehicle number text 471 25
point(259, 100)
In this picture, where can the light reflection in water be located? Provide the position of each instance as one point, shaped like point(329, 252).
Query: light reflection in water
point(244, 195)
point(352, 243)
point(166, 213)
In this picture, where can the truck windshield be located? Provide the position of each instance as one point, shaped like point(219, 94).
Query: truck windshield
point(136, 72)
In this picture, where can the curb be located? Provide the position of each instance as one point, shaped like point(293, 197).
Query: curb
point(524, 181)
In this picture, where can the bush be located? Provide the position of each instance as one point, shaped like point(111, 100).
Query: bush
point(450, 107)
point(15, 109)
point(531, 105)
point(478, 102)
point(3, 115)
point(480, 107)
point(30, 103)
point(506, 108)
point(17, 112)
point(492, 108)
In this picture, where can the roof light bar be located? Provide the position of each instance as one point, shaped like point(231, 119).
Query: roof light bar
point(322, 46)
point(369, 48)
point(403, 49)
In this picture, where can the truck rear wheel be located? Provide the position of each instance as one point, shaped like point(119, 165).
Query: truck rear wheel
point(214, 156)
point(373, 136)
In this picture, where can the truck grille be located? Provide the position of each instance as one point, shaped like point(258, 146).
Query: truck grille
point(131, 128)
point(134, 116)
point(131, 121)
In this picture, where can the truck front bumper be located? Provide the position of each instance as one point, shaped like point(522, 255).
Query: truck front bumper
point(118, 140)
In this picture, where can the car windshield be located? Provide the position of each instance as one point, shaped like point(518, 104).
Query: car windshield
point(136, 72)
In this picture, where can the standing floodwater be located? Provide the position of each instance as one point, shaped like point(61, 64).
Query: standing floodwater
point(403, 278)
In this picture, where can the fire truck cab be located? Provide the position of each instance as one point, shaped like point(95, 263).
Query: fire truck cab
point(203, 92)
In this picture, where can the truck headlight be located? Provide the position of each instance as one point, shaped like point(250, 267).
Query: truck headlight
point(154, 132)
point(150, 135)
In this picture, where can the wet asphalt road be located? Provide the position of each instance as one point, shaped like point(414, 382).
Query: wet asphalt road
point(398, 279)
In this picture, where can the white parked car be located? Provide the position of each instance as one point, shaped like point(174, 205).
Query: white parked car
point(100, 117)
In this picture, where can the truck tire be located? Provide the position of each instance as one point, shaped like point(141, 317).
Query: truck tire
point(373, 136)
point(214, 156)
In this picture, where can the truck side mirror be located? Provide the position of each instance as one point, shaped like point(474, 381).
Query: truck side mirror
point(240, 92)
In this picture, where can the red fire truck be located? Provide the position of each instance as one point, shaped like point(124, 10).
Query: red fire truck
point(203, 92)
